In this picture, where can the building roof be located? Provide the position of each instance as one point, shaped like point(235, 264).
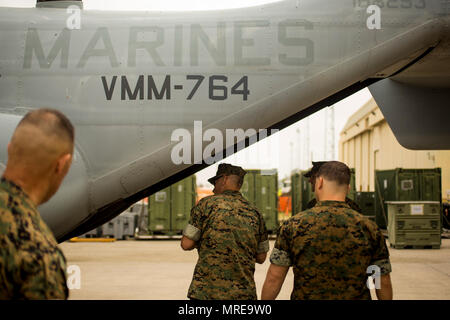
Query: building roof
point(368, 107)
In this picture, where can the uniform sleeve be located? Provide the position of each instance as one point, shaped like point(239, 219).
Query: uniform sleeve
point(263, 237)
point(281, 251)
point(194, 227)
point(380, 255)
point(43, 278)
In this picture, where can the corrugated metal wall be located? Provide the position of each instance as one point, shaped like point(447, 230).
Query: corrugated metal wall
point(367, 143)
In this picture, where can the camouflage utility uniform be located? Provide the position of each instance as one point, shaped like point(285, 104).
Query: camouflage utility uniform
point(229, 233)
point(31, 264)
point(330, 248)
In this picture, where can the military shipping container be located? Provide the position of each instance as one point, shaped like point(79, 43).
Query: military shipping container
point(296, 194)
point(414, 223)
point(260, 188)
point(183, 194)
point(404, 185)
point(159, 211)
point(169, 209)
point(366, 201)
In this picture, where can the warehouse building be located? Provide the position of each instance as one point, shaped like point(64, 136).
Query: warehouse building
point(367, 143)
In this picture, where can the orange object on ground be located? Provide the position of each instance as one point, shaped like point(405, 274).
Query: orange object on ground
point(284, 204)
point(201, 193)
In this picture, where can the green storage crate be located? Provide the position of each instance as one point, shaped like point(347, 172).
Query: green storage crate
point(414, 223)
point(169, 209)
point(248, 186)
point(407, 209)
point(260, 187)
point(307, 193)
point(415, 239)
point(420, 224)
point(366, 201)
point(352, 191)
point(159, 211)
point(296, 196)
point(430, 184)
point(183, 195)
point(404, 185)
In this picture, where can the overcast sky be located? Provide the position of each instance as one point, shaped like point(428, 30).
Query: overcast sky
point(285, 150)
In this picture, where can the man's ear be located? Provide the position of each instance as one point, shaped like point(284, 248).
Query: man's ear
point(64, 163)
point(319, 182)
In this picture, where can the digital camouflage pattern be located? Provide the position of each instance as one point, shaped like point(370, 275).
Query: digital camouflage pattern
point(330, 248)
point(229, 232)
point(352, 204)
point(31, 264)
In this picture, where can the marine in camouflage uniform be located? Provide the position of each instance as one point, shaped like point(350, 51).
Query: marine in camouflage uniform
point(31, 264)
point(39, 157)
point(330, 247)
point(229, 233)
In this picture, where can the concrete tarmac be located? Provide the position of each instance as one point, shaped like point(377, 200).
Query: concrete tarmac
point(161, 270)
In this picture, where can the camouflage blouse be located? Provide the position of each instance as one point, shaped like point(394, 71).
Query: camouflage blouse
point(31, 264)
point(330, 248)
point(229, 233)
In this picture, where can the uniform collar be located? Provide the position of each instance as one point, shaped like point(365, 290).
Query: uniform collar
point(329, 203)
point(14, 190)
point(231, 192)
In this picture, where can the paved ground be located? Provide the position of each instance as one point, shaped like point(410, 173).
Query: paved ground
point(161, 270)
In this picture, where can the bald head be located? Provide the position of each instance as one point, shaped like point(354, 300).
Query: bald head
point(41, 146)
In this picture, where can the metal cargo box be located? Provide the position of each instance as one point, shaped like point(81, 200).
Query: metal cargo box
point(366, 201)
point(183, 195)
point(430, 184)
point(405, 185)
point(159, 211)
point(414, 223)
point(417, 239)
point(296, 196)
point(260, 187)
point(394, 185)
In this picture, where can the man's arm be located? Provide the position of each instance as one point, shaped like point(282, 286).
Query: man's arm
point(191, 233)
point(45, 281)
point(274, 280)
point(385, 291)
point(187, 244)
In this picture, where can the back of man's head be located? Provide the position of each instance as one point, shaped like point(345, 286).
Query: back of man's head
point(42, 134)
point(41, 145)
point(332, 181)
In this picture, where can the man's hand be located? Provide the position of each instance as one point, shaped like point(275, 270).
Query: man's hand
point(274, 280)
point(187, 244)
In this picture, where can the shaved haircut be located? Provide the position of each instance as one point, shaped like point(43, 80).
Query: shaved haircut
point(41, 137)
point(51, 121)
point(335, 171)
